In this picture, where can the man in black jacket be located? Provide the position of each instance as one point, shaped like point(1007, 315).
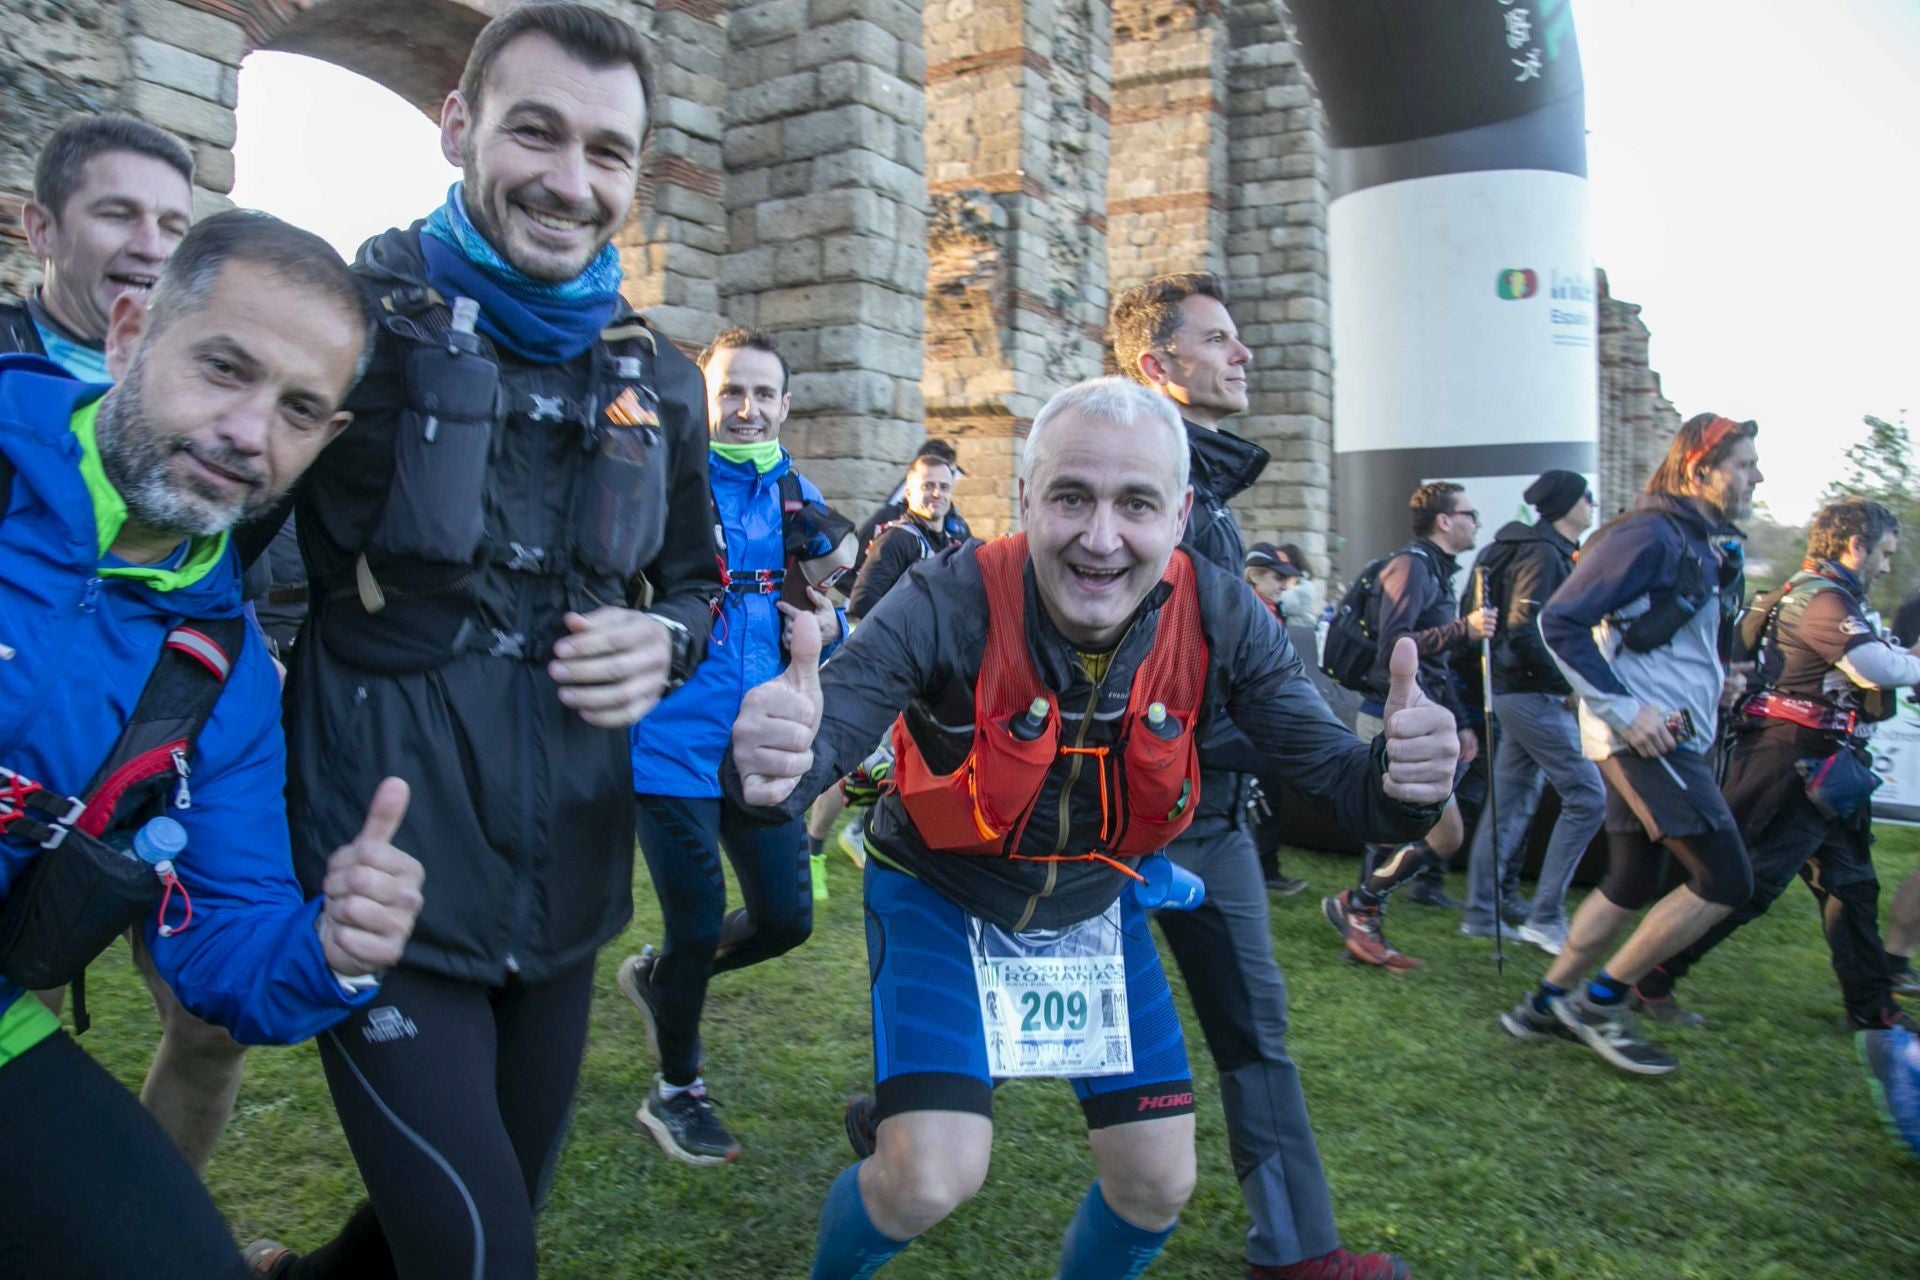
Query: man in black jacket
point(920, 531)
point(1539, 736)
point(1084, 604)
point(1175, 336)
point(1415, 598)
point(895, 507)
point(511, 558)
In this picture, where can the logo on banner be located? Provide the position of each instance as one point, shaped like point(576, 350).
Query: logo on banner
point(1516, 283)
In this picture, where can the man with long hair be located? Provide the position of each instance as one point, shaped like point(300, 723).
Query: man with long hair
point(1826, 675)
point(1636, 628)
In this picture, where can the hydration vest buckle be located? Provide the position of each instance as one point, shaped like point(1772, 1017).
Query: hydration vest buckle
point(526, 559)
point(29, 811)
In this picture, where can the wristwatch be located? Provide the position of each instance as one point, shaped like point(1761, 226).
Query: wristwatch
point(682, 664)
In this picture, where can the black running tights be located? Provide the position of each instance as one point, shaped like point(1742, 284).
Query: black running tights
point(91, 1187)
point(455, 1099)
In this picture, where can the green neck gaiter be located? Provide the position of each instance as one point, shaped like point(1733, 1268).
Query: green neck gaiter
point(763, 454)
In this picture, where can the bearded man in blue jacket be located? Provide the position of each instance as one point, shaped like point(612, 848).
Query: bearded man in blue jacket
point(771, 526)
point(114, 530)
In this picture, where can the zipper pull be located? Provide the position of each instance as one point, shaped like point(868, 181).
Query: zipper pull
point(182, 797)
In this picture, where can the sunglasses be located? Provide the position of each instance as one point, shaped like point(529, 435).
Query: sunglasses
point(1472, 512)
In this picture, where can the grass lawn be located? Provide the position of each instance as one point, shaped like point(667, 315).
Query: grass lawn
point(1472, 1154)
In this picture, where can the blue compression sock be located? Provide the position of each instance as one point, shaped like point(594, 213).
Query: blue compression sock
point(850, 1247)
point(1604, 988)
point(1101, 1245)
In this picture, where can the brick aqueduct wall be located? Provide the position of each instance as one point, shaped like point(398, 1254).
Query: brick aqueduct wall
point(932, 203)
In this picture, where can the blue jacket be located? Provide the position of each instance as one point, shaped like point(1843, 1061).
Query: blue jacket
point(678, 746)
point(77, 650)
point(1614, 581)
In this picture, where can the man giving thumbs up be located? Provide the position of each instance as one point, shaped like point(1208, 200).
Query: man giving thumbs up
point(1047, 694)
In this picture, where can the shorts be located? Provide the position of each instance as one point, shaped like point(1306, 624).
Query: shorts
point(1642, 796)
point(930, 1047)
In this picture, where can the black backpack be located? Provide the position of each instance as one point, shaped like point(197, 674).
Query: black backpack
point(1353, 638)
point(81, 893)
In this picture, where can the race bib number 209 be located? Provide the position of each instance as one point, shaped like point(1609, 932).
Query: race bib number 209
point(1053, 1002)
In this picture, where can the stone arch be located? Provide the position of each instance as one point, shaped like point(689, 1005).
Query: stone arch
point(416, 48)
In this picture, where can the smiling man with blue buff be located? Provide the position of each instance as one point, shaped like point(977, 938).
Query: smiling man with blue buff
point(511, 560)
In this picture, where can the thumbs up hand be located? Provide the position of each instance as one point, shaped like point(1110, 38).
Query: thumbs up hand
point(371, 891)
point(1423, 742)
point(773, 734)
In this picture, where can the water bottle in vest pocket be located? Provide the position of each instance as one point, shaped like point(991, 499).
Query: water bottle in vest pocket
point(435, 507)
point(622, 512)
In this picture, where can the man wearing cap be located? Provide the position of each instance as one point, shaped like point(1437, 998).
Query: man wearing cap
point(1274, 574)
point(1539, 735)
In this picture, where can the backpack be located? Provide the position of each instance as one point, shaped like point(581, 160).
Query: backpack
point(81, 893)
point(1353, 640)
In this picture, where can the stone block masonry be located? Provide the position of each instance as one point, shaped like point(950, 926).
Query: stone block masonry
point(825, 205)
point(931, 203)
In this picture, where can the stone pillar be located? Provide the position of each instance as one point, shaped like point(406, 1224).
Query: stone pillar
point(673, 247)
point(1166, 200)
point(1637, 421)
point(58, 59)
point(1277, 273)
point(826, 214)
point(1017, 165)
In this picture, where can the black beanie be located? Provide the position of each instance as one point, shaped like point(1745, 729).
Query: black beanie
point(1554, 493)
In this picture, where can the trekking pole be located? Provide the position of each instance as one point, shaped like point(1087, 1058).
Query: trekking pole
point(1492, 814)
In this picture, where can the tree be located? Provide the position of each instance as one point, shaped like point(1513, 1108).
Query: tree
point(1882, 467)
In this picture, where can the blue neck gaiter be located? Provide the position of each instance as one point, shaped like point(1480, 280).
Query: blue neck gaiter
point(537, 321)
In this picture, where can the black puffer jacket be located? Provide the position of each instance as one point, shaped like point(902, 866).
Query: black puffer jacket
point(1525, 564)
point(920, 651)
point(522, 812)
point(1223, 467)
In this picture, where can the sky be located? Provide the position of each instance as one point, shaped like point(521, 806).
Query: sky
point(1753, 170)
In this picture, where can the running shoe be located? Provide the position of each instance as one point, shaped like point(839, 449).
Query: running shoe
point(1338, 1265)
point(635, 980)
point(853, 839)
point(1666, 1010)
point(1433, 893)
point(863, 1130)
point(1525, 1022)
point(1906, 982)
point(1550, 938)
point(1285, 886)
point(1359, 927)
point(1614, 1033)
point(686, 1127)
point(268, 1258)
point(1892, 1059)
point(1476, 929)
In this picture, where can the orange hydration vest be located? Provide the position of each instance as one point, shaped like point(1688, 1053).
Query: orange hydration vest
point(1149, 776)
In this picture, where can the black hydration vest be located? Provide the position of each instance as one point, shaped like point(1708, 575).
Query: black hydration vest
point(519, 492)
